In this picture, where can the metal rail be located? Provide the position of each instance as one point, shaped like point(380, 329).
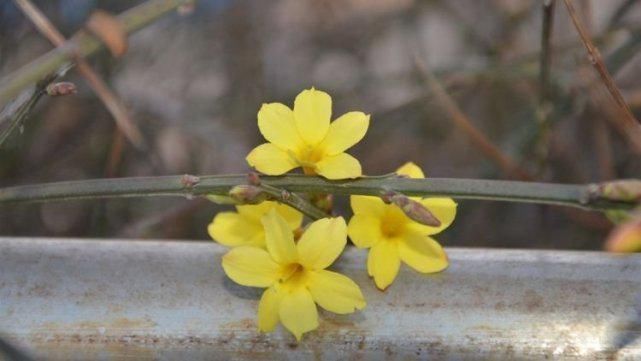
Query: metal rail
point(112, 300)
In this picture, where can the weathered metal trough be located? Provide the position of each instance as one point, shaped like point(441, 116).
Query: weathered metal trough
point(111, 300)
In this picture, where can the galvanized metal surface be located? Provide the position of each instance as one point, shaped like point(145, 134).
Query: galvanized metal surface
point(92, 299)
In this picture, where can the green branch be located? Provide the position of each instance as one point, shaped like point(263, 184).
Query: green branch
point(589, 196)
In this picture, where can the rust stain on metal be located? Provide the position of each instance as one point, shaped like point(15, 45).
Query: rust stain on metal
point(100, 326)
point(532, 300)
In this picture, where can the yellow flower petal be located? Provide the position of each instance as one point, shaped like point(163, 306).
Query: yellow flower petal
point(298, 312)
point(322, 243)
point(271, 160)
point(411, 170)
point(422, 253)
point(383, 263)
point(255, 212)
point(335, 292)
point(251, 266)
point(232, 230)
point(339, 166)
point(268, 310)
point(364, 230)
point(312, 112)
point(444, 209)
point(344, 132)
point(293, 217)
point(276, 123)
point(279, 238)
point(367, 205)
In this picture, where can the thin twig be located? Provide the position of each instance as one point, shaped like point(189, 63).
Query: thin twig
point(546, 53)
point(294, 200)
point(139, 227)
point(624, 53)
point(585, 196)
point(16, 112)
point(115, 153)
point(603, 150)
point(620, 12)
point(545, 91)
point(108, 97)
point(612, 113)
point(597, 62)
point(490, 150)
point(82, 44)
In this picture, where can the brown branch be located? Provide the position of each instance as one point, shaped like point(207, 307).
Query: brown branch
point(504, 162)
point(109, 98)
point(546, 53)
point(597, 62)
point(545, 107)
point(611, 113)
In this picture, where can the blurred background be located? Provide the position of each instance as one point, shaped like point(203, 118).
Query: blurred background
point(193, 84)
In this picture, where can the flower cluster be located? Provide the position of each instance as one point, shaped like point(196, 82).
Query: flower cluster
point(270, 247)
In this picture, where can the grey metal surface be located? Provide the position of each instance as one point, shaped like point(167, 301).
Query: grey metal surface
point(94, 299)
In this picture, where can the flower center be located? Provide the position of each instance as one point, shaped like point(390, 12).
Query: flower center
point(307, 156)
point(393, 222)
point(294, 274)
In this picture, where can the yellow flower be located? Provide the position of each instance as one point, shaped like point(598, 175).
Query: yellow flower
point(305, 138)
point(295, 275)
point(393, 237)
point(244, 228)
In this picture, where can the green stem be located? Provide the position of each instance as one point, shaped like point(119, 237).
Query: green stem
point(294, 200)
point(581, 196)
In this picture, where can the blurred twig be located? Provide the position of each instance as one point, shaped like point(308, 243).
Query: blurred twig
point(490, 150)
point(546, 54)
point(597, 61)
point(82, 44)
point(17, 111)
point(612, 113)
point(138, 228)
point(115, 153)
point(603, 151)
point(618, 58)
point(620, 12)
point(545, 91)
point(109, 98)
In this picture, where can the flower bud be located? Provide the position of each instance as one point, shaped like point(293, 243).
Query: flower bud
point(189, 181)
point(323, 201)
point(61, 88)
point(248, 194)
point(253, 178)
point(413, 209)
point(628, 190)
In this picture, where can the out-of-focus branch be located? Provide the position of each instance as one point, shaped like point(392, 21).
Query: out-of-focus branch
point(16, 112)
point(505, 163)
point(620, 12)
point(598, 64)
point(545, 91)
point(82, 44)
point(546, 53)
point(109, 98)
